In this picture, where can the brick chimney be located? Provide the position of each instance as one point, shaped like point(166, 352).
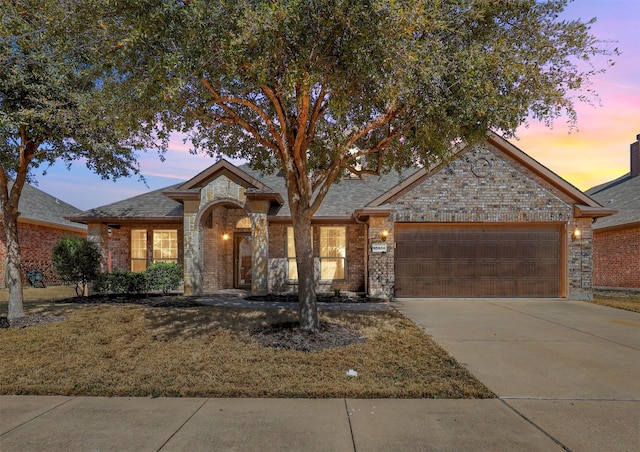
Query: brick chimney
point(635, 157)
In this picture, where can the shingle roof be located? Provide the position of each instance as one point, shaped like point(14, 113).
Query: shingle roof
point(38, 206)
point(622, 194)
point(149, 205)
point(343, 198)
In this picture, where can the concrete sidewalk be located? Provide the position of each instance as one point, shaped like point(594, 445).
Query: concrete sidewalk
point(39, 423)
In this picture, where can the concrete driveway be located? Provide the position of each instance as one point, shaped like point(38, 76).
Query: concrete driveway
point(572, 369)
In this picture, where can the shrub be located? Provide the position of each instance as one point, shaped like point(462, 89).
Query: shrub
point(102, 283)
point(163, 276)
point(120, 283)
point(76, 261)
point(127, 282)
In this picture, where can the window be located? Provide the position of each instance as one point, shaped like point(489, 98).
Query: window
point(165, 246)
point(243, 223)
point(138, 250)
point(292, 267)
point(333, 247)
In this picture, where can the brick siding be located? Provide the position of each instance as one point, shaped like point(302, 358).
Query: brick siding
point(36, 246)
point(118, 252)
point(616, 258)
point(355, 261)
point(508, 193)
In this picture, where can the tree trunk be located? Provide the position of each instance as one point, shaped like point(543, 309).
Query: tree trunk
point(306, 275)
point(16, 305)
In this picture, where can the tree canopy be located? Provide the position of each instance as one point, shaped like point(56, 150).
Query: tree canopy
point(310, 87)
point(56, 105)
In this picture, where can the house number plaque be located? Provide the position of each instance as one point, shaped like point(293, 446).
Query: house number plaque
point(378, 247)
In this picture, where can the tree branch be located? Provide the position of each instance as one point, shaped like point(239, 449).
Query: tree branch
point(235, 117)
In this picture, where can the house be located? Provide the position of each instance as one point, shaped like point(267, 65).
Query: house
point(41, 224)
point(616, 239)
point(492, 222)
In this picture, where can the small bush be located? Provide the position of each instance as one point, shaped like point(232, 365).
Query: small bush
point(127, 282)
point(76, 261)
point(163, 276)
point(102, 283)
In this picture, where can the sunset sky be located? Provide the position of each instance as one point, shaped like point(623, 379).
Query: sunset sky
point(596, 152)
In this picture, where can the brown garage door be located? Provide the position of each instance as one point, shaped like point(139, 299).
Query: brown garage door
point(477, 261)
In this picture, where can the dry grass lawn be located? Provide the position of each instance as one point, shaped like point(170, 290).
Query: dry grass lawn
point(629, 301)
point(133, 350)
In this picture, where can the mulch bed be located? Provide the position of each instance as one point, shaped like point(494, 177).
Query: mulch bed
point(320, 297)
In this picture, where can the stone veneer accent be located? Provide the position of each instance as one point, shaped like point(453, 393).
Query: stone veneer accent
point(220, 191)
point(506, 192)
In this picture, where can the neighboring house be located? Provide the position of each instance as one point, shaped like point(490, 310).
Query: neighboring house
point(41, 224)
point(492, 222)
point(616, 240)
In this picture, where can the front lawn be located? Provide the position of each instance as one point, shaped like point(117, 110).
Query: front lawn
point(203, 351)
point(627, 300)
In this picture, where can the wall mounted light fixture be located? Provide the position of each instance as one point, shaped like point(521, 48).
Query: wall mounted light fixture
point(576, 234)
point(384, 234)
point(225, 236)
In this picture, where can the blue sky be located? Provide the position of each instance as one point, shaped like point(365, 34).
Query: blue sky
point(597, 152)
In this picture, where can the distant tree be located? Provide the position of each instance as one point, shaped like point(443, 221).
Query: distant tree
point(56, 104)
point(317, 88)
point(76, 261)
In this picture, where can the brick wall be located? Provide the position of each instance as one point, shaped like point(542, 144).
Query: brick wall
point(506, 192)
point(355, 260)
point(616, 258)
point(118, 246)
point(36, 245)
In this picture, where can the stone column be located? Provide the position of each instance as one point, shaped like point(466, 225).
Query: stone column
point(192, 250)
point(381, 264)
point(260, 246)
point(99, 234)
point(580, 259)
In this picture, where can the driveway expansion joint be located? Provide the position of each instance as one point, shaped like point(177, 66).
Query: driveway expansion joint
point(64, 402)
point(536, 426)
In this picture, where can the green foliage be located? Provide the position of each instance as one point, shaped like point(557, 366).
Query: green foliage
point(317, 88)
point(76, 261)
point(58, 104)
point(54, 83)
point(123, 283)
point(159, 276)
point(101, 284)
point(163, 276)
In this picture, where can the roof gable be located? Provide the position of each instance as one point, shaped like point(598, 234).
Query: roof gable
point(223, 167)
point(510, 151)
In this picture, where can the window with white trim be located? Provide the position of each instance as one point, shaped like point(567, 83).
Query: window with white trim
point(333, 252)
point(292, 266)
point(165, 245)
point(138, 250)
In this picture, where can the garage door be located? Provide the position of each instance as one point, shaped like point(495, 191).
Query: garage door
point(477, 261)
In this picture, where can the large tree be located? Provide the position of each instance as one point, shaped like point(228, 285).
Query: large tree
point(55, 105)
point(315, 88)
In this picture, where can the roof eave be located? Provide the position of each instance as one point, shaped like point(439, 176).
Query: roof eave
point(583, 211)
point(271, 196)
point(118, 220)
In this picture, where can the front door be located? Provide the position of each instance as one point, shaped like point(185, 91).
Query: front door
point(242, 259)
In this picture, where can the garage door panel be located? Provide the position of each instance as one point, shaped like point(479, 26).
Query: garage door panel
point(477, 261)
